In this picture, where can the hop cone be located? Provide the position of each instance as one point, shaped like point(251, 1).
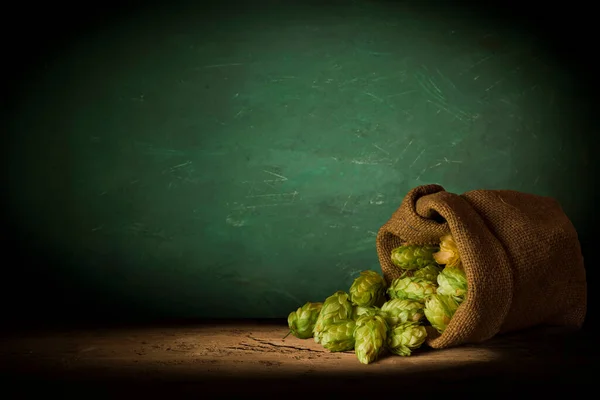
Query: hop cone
point(368, 289)
point(406, 337)
point(339, 336)
point(448, 254)
point(302, 321)
point(430, 273)
point(358, 311)
point(452, 282)
point(439, 310)
point(411, 288)
point(370, 338)
point(398, 311)
point(336, 307)
point(413, 257)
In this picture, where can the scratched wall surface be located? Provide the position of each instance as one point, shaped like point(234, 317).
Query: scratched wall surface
point(241, 164)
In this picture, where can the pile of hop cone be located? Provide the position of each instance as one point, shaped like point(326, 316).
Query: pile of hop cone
point(373, 318)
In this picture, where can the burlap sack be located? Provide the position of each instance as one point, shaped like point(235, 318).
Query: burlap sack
point(520, 252)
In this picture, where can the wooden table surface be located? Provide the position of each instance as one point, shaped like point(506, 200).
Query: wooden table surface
point(239, 358)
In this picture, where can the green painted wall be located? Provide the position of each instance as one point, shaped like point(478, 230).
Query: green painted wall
point(237, 163)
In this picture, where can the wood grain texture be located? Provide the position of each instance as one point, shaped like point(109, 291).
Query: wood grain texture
point(241, 357)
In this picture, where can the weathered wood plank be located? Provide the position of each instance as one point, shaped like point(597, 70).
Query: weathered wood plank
point(257, 351)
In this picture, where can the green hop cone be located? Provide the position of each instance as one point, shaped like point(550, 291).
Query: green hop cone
point(368, 289)
point(339, 336)
point(413, 257)
point(429, 272)
point(439, 310)
point(359, 311)
point(411, 288)
point(370, 338)
point(398, 311)
point(336, 307)
point(406, 337)
point(453, 282)
point(302, 321)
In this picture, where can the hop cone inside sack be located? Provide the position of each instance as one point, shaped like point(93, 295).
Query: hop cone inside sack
point(448, 254)
point(452, 282)
point(413, 257)
point(439, 310)
point(336, 307)
point(429, 273)
point(368, 289)
point(398, 311)
point(302, 321)
point(406, 337)
point(411, 288)
point(370, 338)
point(339, 336)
